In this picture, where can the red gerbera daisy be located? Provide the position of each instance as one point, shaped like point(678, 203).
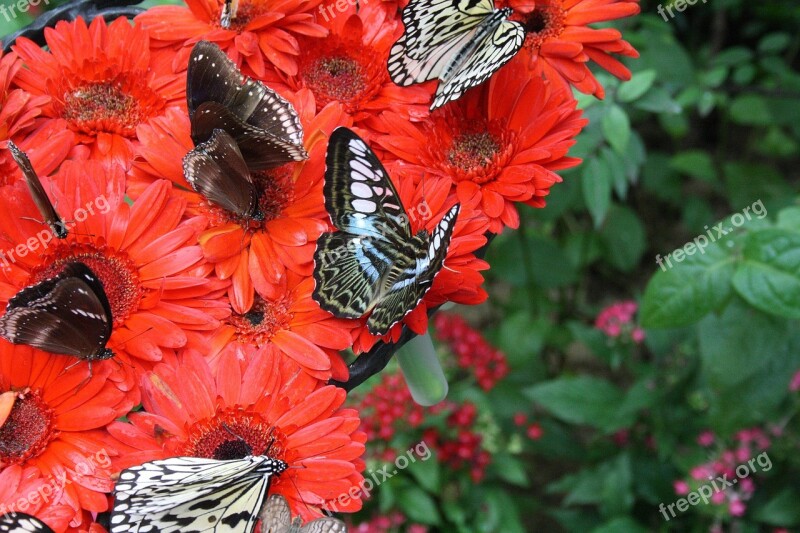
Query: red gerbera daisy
point(146, 258)
point(296, 325)
point(55, 455)
point(459, 280)
point(19, 112)
point(559, 42)
point(261, 31)
point(253, 402)
point(255, 255)
point(102, 80)
point(502, 143)
point(349, 66)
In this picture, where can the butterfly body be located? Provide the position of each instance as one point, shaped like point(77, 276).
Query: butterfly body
point(40, 198)
point(192, 495)
point(22, 523)
point(459, 42)
point(374, 263)
point(68, 314)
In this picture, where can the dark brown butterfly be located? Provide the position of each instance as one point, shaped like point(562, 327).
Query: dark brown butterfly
point(68, 314)
point(40, 198)
point(265, 126)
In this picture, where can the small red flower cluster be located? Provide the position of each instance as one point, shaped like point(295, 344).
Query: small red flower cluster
point(460, 445)
point(387, 524)
point(737, 465)
point(472, 351)
point(214, 329)
point(617, 322)
point(533, 430)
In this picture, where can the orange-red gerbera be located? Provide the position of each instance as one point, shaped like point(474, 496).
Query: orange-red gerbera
point(502, 143)
point(260, 31)
point(146, 258)
point(559, 42)
point(252, 402)
point(349, 66)
point(459, 280)
point(55, 455)
point(296, 325)
point(255, 255)
point(102, 80)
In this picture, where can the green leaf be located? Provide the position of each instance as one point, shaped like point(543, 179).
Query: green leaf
point(751, 110)
point(733, 56)
point(683, 292)
point(658, 100)
point(418, 506)
point(626, 524)
point(426, 473)
point(695, 163)
point(509, 469)
point(769, 277)
point(617, 128)
point(789, 218)
point(781, 509)
point(774, 43)
point(624, 238)
point(639, 84)
point(578, 400)
point(596, 183)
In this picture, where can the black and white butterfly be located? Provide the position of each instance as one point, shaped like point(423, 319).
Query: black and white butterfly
point(40, 198)
point(374, 262)
point(265, 126)
point(67, 314)
point(22, 523)
point(276, 517)
point(460, 42)
point(193, 495)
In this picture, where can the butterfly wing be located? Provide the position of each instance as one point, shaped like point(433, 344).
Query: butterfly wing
point(68, 314)
point(22, 523)
point(192, 495)
point(213, 77)
point(434, 32)
point(414, 278)
point(324, 525)
point(40, 198)
point(260, 149)
point(276, 516)
point(499, 45)
point(216, 170)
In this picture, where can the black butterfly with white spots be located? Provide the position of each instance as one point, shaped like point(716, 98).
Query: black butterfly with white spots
point(22, 523)
point(193, 495)
point(459, 42)
point(68, 314)
point(374, 263)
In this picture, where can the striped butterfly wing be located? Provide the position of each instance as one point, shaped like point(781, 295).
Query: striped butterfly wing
point(277, 518)
point(403, 292)
point(217, 170)
point(40, 198)
point(192, 495)
point(497, 42)
point(366, 209)
point(68, 314)
point(22, 523)
point(259, 119)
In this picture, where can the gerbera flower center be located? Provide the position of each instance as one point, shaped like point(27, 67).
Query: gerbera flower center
point(471, 150)
point(27, 430)
point(335, 78)
point(233, 434)
point(264, 319)
point(113, 106)
point(116, 272)
point(543, 24)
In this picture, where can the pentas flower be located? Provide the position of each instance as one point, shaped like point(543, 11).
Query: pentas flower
point(260, 33)
point(559, 42)
point(252, 402)
point(349, 66)
point(255, 255)
point(426, 200)
point(146, 258)
point(101, 80)
point(500, 144)
point(52, 439)
point(617, 322)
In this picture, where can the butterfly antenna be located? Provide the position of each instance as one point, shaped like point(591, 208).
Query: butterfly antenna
point(131, 338)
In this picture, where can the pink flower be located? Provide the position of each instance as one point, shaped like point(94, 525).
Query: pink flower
point(706, 438)
point(718, 498)
point(747, 485)
point(681, 487)
point(794, 385)
point(737, 508)
point(700, 472)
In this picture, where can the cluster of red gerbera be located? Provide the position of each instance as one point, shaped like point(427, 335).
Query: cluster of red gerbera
point(214, 329)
